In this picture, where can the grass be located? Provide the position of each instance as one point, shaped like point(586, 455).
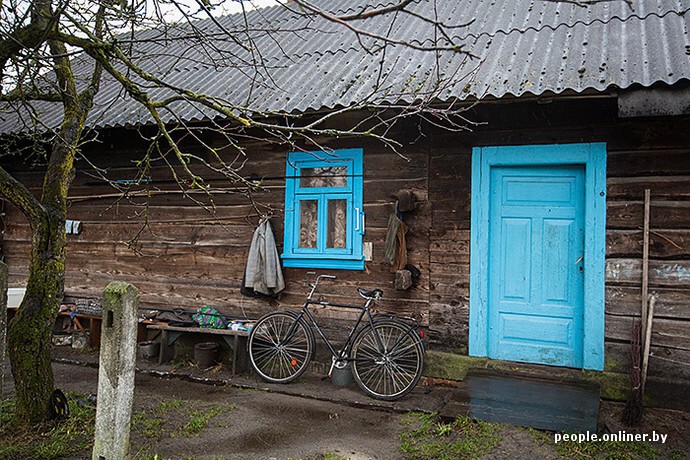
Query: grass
point(607, 450)
point(149, 427)
point(334, 456)
point(426, 437)
point(150, 423)
point(169, 405)
point(51, 440)
point(198, 420)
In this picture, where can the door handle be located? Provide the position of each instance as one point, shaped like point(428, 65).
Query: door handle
point(579, 260)
point(359, 221)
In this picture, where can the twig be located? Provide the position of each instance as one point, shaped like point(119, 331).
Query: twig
point(645, 261)
point(664, 237)
point(647, 340)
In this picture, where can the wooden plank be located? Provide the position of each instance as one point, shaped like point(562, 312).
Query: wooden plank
point(664, 363)
point(666, 332)
point(201, 330)
point(448, 325)
point(456, 297)
point(219, 195)
point(156, 235)
point(126, 214)
point(663, 187)
point(456, 215)
point(664, 214)
point(449, 289)
point(649, 162)
point(448, 235)
point(459, 245)
point(448, 169)
point(455, 187)
point(441, 258)
point(663, 244)
point(671, 303)
point(661, 273)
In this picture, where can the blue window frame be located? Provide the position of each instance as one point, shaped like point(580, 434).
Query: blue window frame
point(324, 219)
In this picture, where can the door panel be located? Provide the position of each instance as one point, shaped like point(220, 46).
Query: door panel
point(535, 286)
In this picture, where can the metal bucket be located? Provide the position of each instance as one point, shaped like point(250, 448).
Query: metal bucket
point(149, 350)
point(205, 354)
point(342, 377)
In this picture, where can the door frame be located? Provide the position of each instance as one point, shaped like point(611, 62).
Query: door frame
point(593, 157)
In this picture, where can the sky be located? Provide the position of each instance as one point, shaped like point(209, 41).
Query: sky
point(224, 7)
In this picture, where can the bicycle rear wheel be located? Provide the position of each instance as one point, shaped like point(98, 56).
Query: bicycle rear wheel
point(388, 360)
point(280, 347)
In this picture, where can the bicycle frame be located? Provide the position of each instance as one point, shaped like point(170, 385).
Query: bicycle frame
point(341, 355)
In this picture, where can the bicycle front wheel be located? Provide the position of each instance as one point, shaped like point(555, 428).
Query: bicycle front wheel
point(387, 360)
point(280, 347)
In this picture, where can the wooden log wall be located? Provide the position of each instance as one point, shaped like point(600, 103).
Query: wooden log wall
point(648, 153)
point(188, 257)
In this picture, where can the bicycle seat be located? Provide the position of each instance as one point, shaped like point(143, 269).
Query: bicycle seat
point(373, 294)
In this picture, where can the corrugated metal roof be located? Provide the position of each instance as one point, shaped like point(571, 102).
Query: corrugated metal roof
point(291, 61)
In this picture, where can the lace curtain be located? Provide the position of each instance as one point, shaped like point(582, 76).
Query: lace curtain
point(336, 212)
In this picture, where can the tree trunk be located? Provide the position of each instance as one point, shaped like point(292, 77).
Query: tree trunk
point(30, 331)
point(29, 337)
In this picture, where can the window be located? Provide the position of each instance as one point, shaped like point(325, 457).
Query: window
point(324, 221)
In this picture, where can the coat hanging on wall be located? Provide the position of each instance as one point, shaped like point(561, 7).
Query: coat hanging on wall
point(263, 274)
point(395, 247)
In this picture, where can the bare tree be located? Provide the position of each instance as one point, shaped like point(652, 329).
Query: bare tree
point(60, 53)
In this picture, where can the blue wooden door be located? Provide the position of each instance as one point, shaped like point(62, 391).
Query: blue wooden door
point(536, 280)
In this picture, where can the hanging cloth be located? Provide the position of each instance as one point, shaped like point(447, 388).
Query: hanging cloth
point(395, 247)
point(263, 273)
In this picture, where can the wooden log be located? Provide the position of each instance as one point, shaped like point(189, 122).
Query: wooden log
point(668, 333)
point(664, 363)
point(663, 244)
point(671, 273)
point(664, 214)
point(665, 187)
point(671, 303)
point(648, 162)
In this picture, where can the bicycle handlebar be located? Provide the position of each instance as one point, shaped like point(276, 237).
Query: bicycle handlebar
point(316, 282)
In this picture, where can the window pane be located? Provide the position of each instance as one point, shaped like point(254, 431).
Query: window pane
point(334, 176)
point(337, 224)
point(308, 223)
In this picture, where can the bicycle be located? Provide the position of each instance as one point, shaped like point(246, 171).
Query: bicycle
point(386, 354)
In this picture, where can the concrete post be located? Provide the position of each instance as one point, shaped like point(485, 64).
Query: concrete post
point(3, 325)
point(116, 372)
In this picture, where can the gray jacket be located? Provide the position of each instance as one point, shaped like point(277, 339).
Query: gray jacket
point(263, 273)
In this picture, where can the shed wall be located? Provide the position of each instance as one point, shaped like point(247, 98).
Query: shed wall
point(642, 153)
point(187, 257)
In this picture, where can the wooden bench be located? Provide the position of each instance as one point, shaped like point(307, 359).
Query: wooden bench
point(93, 333)
point(236, 340)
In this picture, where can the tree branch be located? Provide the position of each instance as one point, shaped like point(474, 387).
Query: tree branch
point(16, 193)
point(388, 40)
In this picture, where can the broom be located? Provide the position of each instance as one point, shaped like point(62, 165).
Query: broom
point(634, 406)
point(634, 409)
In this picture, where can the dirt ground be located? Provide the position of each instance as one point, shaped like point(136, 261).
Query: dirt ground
point(265, 423)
